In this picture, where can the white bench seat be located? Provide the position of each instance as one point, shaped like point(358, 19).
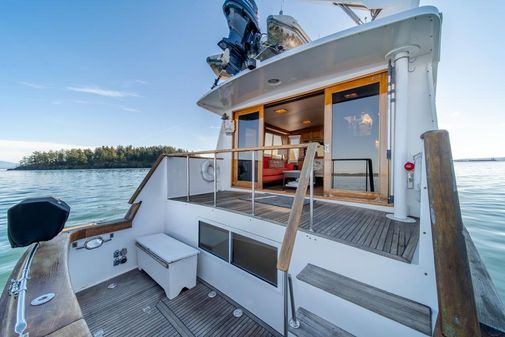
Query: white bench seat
point(171, 263)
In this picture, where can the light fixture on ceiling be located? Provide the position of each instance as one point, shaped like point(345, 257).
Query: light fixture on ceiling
point(351, 95)
point(306, 122)
point(274, 81)
point(281, 111)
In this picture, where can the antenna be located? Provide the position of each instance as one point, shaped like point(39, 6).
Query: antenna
point(281, 12)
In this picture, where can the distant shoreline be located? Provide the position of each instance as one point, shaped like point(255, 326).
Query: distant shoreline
point(23, 168)
point(479, 160)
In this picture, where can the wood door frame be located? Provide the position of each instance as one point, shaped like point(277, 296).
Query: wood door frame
point(383, 192)
point(260, 109)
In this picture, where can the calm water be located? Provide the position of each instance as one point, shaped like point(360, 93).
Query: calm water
point(103, 195)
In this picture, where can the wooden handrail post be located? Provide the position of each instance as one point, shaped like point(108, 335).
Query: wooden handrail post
point(456, 302)
point(296, 210)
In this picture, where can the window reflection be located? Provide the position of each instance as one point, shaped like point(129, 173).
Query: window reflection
point(355, 138)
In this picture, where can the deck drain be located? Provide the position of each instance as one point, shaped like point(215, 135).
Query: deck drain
point(237, 313)
point(212, 294)
point(99, 333)
point(112, 285)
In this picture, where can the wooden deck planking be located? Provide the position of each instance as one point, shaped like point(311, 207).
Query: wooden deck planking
point(407, 312)
point(137, 306)
point(359, 227)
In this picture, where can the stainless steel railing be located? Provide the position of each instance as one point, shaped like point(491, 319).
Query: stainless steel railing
point(294, 218)
point(18, 289)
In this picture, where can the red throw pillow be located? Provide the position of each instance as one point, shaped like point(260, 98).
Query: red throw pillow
point(266, 162)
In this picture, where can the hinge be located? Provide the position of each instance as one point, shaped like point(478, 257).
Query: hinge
point(391, 199)
point(388, 154)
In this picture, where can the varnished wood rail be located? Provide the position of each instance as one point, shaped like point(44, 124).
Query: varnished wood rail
point(457, 310)
point(105, 227)
point(296, 209)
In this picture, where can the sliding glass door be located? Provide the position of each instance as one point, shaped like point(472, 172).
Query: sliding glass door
point(356, 137)
point(248, 134)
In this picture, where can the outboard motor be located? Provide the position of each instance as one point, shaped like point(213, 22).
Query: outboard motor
point(243, 42)
point(35, 220)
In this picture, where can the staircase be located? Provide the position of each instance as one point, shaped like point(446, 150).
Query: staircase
point(389, 306)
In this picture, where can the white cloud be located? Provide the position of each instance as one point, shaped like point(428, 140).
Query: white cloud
point(124, 108)
point(33, 85)
point(15, 150)
point(103, 92)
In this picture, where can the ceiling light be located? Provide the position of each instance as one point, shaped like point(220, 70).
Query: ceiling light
point(281, 111)
point(351, 95)
point(306, 122)
point(274, 81)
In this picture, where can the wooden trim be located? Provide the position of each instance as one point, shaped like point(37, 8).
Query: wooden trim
point(276, 130)
point(456, 298)
point(243, 149)
point(296, 210)
point(146, 179)
point(383, 192)
point(100, 228)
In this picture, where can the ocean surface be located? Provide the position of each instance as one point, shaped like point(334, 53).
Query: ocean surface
point(103, 195)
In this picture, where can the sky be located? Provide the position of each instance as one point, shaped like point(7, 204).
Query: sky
point(92, 72)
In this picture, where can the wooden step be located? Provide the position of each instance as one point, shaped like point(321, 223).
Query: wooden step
point(312, 325)
point(407, 312)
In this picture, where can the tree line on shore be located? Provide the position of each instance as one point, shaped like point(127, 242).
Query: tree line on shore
point(100, 157)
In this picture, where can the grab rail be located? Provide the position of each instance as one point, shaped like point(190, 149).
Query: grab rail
point(456, 301)
point(18, 289)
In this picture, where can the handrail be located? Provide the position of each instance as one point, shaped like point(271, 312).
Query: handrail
point(296, 209)
point(241, 149)
point(369, 175)
point(456, 302)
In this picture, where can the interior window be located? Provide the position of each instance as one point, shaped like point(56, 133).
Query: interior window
point(272, 139)
point(255, 257)
point(214, 240)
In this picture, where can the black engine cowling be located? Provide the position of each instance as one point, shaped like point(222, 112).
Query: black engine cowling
point(36, 219)
point(243, 41)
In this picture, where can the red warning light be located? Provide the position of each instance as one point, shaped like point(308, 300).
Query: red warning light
point(409, 166)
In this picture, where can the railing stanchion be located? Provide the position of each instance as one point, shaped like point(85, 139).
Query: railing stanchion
point(311, 196)
point(215, 180)
point(187, 178)
point(286, 320)
point(293, 322)
point(253, 181)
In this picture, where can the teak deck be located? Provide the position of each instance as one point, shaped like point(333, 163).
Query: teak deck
point(359, 227)
point(137, 306)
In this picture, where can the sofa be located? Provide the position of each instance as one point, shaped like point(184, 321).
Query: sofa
point(273, 169)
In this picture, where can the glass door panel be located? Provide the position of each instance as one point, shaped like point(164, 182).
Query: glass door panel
point(248, 134)
point(356, 156)
point(355, 139)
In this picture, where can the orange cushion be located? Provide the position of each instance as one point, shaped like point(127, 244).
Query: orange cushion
point(272, 171)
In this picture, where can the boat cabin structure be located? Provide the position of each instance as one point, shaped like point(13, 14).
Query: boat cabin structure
point(327, 208)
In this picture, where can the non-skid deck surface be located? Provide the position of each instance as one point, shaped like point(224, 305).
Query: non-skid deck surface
point(363, 228)
point(137, 306)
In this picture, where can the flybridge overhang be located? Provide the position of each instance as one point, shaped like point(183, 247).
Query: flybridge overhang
point(318, 63)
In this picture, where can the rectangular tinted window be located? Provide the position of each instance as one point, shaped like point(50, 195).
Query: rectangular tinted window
point(214, 240)
point(255, 257)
